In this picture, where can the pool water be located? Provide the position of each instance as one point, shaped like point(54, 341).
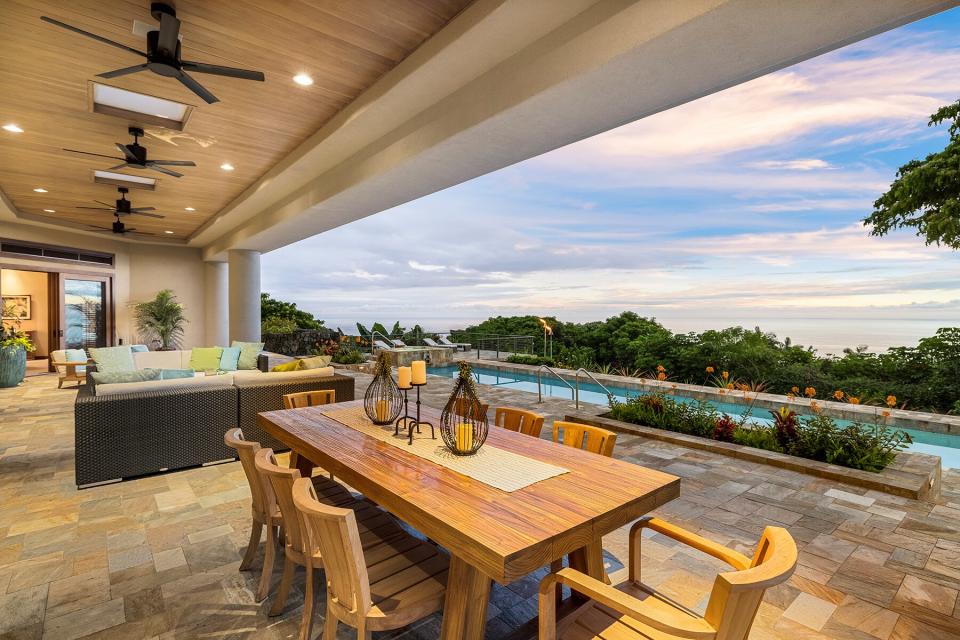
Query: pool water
point(939, 444)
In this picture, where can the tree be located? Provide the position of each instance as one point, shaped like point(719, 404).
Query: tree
point(161, 319)
point(271, 308)
point(926, 193)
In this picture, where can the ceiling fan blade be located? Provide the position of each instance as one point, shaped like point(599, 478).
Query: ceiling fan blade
point(87, 153)
point(68, 27)
point(116, 73)
point(106, 204)
point(140, 233)
point(174, 163)
point(139, 209)
point(102, 228)
point(122, 165)
point(129, 155)
point(166, 171)
point(217, 70)
point(197, 88)
point(149, 215)
point(167, 39)
point(97, 208)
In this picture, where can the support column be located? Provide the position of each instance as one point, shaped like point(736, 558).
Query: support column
point(216, 305)
point(244, 277)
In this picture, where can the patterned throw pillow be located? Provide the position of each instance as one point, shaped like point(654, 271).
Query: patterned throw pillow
point(230, 358)
point(316, 362)
point(113, 359)
point(206, 358)
point(113, 377)
point(248, 353)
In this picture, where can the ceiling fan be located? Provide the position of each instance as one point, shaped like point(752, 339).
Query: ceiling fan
point(119, 228)
point(123, 208)
point(135, 156)
point(163, 53)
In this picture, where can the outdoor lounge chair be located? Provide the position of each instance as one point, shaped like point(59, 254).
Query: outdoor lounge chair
point(380, 344)
point(459, 345)
point(430, 342)
point(398, 343)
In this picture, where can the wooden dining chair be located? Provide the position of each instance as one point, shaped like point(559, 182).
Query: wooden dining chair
point(374, 583)
point(520, 420)
point(634, 611)
point(309, 398)
point(478, 411)
point(296, 550)
point(584, 436)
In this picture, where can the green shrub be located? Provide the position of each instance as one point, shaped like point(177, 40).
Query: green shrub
point(349, 356)
point(534, 361)
point(278, 326)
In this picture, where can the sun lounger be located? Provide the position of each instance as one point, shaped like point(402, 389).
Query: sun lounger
point(459, 345)
point(430, 342)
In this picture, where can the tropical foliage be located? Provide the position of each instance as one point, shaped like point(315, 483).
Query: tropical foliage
point(870, 447)
point(923, 377)
point(161, 319)
point(278, 310)
point(11, 335)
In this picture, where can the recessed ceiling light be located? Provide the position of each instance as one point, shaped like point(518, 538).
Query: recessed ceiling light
point(303, 80)
point(12, 128)
point(170, 232)
point(49, 210)
point(189, 209)
point(226, 166)
point(40, 190)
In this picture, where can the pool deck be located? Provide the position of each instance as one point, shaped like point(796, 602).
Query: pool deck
point(157, 557)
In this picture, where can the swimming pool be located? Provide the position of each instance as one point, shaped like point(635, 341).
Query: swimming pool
point(945, 445)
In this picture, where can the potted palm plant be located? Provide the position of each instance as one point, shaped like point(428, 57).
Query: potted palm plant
point(14, 345)
point(161, 320)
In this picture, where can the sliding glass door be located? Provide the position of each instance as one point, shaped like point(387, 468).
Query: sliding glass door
point(85, 313)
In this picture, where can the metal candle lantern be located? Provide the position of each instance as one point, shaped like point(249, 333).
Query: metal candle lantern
point(463, 422)
point(382, 400)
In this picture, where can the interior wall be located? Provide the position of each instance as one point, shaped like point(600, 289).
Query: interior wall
point(14, 282)
point(140, 270)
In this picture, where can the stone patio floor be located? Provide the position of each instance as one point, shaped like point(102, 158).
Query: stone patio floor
point(158, 557)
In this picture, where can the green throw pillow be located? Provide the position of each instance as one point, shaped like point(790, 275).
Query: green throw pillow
point(173, 374)
point(206, 358)
point(230, 358)
point(113, 359)
point(113, 377)
point(248, 353)
point(316, 362)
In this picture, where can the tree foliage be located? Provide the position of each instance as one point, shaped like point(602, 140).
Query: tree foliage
point(925, 195)
point(271, 308)
point(161, 319)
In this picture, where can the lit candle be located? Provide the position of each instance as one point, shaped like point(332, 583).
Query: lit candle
point(403, 377)
point(383, 411)
point(418, 372)
point(464, 436)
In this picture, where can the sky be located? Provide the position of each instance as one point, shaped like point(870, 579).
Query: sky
point(740, 208)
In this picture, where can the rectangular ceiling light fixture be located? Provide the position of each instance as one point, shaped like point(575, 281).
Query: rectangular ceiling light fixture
point(138, 107)
point(124, 180)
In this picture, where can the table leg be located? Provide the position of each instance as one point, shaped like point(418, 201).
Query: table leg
point(589, 560)
point(302, 464)
point(465, 607)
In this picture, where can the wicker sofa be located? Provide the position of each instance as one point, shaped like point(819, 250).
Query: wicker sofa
point(129, 434)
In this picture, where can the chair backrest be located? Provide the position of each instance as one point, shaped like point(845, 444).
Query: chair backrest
point(584, 436)
point(59, 356)
point(381, 344)
point(334, 532)
point(264, 502)
point(446, 341)
point(521, 420)
point(309, 398)
point(281, 479)
point(736, 595)
point(430, 342)
point(398, 343)
point(478, 411)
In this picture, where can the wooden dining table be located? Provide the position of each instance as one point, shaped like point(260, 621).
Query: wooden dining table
point(491, 534)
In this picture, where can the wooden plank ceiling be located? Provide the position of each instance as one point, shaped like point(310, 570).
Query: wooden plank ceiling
point(45, 71)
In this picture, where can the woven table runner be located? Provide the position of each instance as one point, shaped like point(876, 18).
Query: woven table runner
point(500, 469)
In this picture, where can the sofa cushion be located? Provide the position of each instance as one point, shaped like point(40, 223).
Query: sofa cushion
point(75, 355)
point(230, 358)
point(160, 359)
point(316, 362)
point(112, 359)
point(206, 358)
point(125, 377)
point(174, 374)
point(178, 384)
point(293, 365)
point(248, 353)
point(254, 378)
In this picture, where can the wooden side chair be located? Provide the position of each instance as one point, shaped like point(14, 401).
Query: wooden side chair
point(584, 436)
point(634, 611)
point(520, 420)
point(309, 398)
point(477, 411)
point(373, 583)
point(296, 550)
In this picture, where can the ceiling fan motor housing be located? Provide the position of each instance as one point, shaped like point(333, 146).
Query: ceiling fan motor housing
point(118, 227)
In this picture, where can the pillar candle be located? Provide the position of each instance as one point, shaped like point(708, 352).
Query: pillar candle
point(383, 410)
point(403, 377)
point(464, 436)
point(418, 372)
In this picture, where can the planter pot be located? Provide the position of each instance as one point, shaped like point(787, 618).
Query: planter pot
point(13, 366)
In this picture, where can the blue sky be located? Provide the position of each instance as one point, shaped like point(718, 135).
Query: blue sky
point(740, 207)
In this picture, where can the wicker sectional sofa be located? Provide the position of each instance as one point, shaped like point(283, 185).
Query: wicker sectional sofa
point(128, 434)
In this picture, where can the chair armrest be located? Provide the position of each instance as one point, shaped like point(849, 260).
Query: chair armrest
point(678, 625)
point(733, 558)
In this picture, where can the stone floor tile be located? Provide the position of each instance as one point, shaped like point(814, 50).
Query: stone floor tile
point(78, 592)
point(84, 622)
point(810, 611)
point(22, 609)
point(927, 594)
